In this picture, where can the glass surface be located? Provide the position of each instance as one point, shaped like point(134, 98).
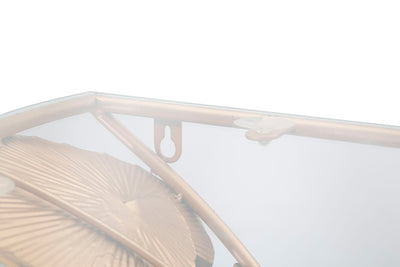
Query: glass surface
point(297, 201)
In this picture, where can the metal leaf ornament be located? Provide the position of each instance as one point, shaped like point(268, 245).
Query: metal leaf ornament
point(73, 207)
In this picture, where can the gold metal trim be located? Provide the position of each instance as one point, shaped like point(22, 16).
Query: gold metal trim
point(310, 127)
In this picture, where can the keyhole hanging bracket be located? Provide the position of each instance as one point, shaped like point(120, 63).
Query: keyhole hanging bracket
point(176, 137)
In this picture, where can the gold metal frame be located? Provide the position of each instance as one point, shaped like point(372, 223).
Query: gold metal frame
point(102, 105)
point(304, 126)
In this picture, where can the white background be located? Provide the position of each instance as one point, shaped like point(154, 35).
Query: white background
point(336, 59)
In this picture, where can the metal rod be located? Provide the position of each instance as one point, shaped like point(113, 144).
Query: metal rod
point(310, 127)
point(64, 205)
point(159, 167)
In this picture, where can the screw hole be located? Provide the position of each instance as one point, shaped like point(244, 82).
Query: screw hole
point(167, 146)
